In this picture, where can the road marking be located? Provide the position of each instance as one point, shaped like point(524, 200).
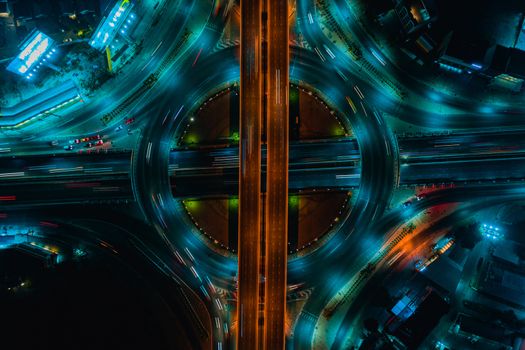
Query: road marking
point(320, 54)
point(310, 18)
point(178, 112)
point(330, 53)
point(219, 305)
point(376, 55)
point(189, 254)
point(359, 93)
point(197, 58)
point(16, 174)
point(158, 46)
point(364, 109)
point(148, 152)
point(195, 274)
point(166, 116)
point(278, 86)
point(347, 176)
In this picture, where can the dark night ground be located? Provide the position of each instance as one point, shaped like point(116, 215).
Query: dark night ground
point(82, 305)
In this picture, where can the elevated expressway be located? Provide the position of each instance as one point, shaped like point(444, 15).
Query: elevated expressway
point(252, 110)
point(463, 158)
point(277, 154)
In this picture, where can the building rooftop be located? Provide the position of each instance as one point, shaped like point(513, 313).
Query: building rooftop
point(444, 272)
point(509, 60)
point(505, 252)
point(471, 325)
point(503, 283)
point(424, 319)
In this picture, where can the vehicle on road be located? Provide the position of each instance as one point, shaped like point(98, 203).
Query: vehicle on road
point(351, 103)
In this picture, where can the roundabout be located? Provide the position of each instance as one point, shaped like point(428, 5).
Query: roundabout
point(275, 175)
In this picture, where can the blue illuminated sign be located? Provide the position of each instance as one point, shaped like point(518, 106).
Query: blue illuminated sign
point(111, 25)
point(490, 231)
point(33, 50)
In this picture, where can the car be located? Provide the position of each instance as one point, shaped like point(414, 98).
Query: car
point(68, 147)
point(96, 137)
point(407, 204)
point(118, 128)
point(99, 143)
point(54, 143)
point(420, 197)
point(84, 139)
point(89, 144)
point(129, 120)
point(77, 140)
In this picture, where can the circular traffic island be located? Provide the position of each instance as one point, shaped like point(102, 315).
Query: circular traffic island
point(204, 169)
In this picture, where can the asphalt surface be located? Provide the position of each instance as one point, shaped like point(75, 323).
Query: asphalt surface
point(276, 210)
point(330, 164)
point(250, 127)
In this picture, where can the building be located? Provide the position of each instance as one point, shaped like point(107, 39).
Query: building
point(414, 15)
point(116, 23)
point(504, 282)
point(475, 329)
point(34, 52)
point(506, 67)
point(418, 326)
point(4, 8)
point(437, 31)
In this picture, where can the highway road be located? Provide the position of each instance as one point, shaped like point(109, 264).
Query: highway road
point(249, 174)
point(319, 164)
point(276, 204)
point(40, 180)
